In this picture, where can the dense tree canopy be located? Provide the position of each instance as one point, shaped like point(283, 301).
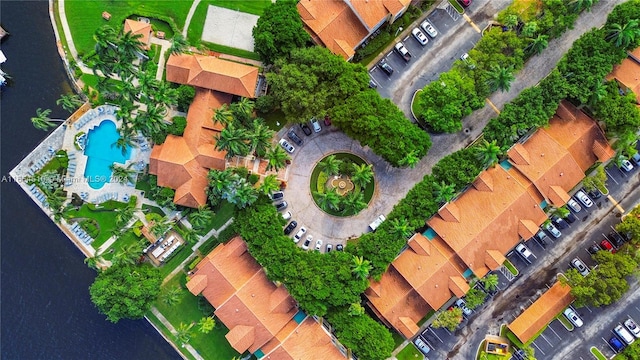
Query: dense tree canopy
point(278, 31)
point(459, 168)
point(619, 112)
point(631, 226)
point(367, 338)
point(125, 291)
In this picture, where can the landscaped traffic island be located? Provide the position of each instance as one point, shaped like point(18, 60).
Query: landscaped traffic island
point(342, 184)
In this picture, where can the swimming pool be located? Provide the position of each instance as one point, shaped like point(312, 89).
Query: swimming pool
point(101, 153)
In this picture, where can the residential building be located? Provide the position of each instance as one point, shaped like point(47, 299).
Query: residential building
point(343, 25)
point(541, 312)
point(505, 205)
point(139, 28)
point(261, 316)
point(627, 73)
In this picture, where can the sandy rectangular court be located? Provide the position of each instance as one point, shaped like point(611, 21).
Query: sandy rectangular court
point(229, 28)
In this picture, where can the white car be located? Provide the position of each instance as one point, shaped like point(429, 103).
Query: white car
point(573, 317)
point(626, 165)
point(315, 125)
point(429, 29)
point(287, 215)
point(285, 144)
point(420, 344)
point(307, 242)
point(463, 305)
point(583, 198)
point(374, 225)
point(318, 245)
point(299, 235)
point(402, 51)
point(329, 248)
point(524, 251)
point(624, 334)
point(553, 230)
point(574, 205)
point(632, 327)
point(467, 60)
point(580, 266)
point(422, 38)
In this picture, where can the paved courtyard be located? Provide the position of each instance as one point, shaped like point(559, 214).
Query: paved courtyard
point(229, 28)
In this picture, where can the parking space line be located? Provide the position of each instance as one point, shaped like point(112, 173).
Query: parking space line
point(547, 340)
point(614, 202)
point(588, 308)
point(473, 25)
point(611, 176)
point(554, 332)
point(537, 347)
point(436, 335)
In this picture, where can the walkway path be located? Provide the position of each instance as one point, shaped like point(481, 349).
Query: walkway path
point(187, 21)
point(168, 325)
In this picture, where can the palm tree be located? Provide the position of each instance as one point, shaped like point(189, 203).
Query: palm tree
point(410, 160)
point(199, 219)
point(400, 227)
point(42, 121)
point(362, 174)
point(232, 140)
point(124, 175)
point(562, 212)
point(356, 309)
point(173, 296)
point(538, 44)
point(242, 110)
point(260, 137)
point(330, 165)
point(529, 29)
point(353, 203)
point(490, 282)
point(361, 267)
point(206, 324)
point(190, 235)
point(161, 226)
point(129, 45)
point(488, 153)
point(579, 5)
point(223, 116)
point(270, 184)
point(500, 78)
point(178, 44)
point(245, 195)
point(511, 21)
point(277, 158)
point(624, 35)
point(328, 200)
point(69, 102)
point(183, 333)
point(92, 262)
point(125, 141)
point(220, 182)
point(106, 39)
point(124, 215)
point(444, 192)
point(598, 93)
point(128, 254)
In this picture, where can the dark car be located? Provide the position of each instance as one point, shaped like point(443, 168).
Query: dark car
point(292, 225)
point(373, 84)
point(616, 239)
point(278, 195)
point(281, 206)
point(571, 218)
point(593, 249)
point(294, 137)
point(465, 3)
point(616, 344)
point(595, 194)
point(560, 223)
point(339, 247)
point(305, 128)
point(384, 65)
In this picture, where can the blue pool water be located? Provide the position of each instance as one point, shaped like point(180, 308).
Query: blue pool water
point(101, 153)
point(299, 316)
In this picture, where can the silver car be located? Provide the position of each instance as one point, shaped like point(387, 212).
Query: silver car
point(421, 345)
point(429, 29)
point(553, 230)
point(584, 199)
point(580, 266)
point(573, 317)
point(574, 205)
point(299, 234)
point(463, 305)
point(422, 38)
point(285, 144)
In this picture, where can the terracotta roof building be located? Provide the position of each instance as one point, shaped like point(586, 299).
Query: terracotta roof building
point(627, 74)
point(183, 162)
point(541, 312)
point(262, 317)
point(139, 28)
point(343, 25)
point(213, 73)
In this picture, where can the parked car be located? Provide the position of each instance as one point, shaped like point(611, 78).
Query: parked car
point(287, 215)
point(307, 241)
point(464, 3)
point(573, 317)
point(420, 36)
point(463, 305)
point(559, 222)
point(606, 245)
point(571, 218)
point(583, 198)
point(421, 345)
point(467, 60)
point(315, 125)
point(305, 129)
point(632, 327)
point(327, 119)
point(285, 144)
point(429, 29)
point(277, 196)
point(616, 239)
point(289, 228)
point(299, 234)
point(339, 247)
point(329, 248)
point(624, 334)
point(626, 165)
point(573, 205)
point(281, 206)
point(616, 344)
point(580, 266)
point(524, 251)
point(384, 65)
point(553, 230)
point(294, 137)
point(402, 51)
point(636, 158)
point(374, 225)
point(593, 249)
point(542, 237)
point(594, 194)
point(318, 245)
point(372, 84)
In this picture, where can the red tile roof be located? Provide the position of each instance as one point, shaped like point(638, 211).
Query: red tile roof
point(628, 73)
point(139, 28)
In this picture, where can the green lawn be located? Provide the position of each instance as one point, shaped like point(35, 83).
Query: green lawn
point(565, 321)
point(409, 352)
point(85, 17)
point(275, 120)
point(169, 335)
point(597, 353)
point(397, 338)
point(149, 209)
point(231, 51)
point(103, 214)
point(213, 345)
point(129, 237)
point(512, 269)
point(223, 213)
point(177, 258)
point(194, 33)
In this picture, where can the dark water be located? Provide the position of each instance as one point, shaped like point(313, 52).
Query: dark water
point(46, 310)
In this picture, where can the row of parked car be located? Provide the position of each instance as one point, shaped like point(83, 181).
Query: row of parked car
point(624, 334)
point(293, 136)
point(419, 34)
